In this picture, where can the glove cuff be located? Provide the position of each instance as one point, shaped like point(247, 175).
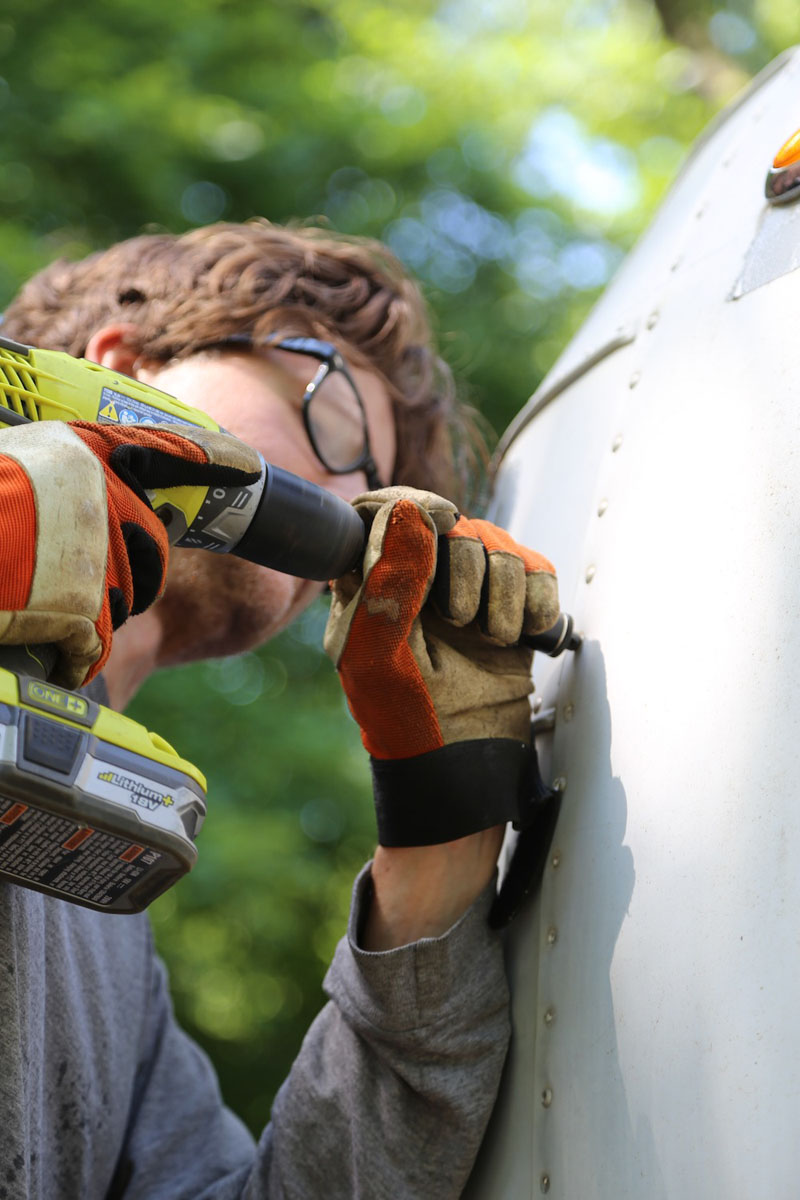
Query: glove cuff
point(451, 792)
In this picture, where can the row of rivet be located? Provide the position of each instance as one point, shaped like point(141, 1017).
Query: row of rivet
point(549, 1014)
point(560, 784)
point(633, 382)
point(602, 506)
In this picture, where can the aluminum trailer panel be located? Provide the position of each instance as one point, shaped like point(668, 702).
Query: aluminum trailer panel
point(656, 1049)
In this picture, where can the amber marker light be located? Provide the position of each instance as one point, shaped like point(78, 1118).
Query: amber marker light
point(783, 178)
point(789, 153)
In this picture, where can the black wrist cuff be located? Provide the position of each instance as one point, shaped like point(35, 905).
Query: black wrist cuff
point(452, 792)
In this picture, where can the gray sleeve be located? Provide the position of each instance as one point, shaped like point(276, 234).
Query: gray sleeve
point(182, 1143)
point(388, 1097)
point(392, 1090)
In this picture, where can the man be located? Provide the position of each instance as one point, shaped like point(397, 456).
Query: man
point(101, 1094)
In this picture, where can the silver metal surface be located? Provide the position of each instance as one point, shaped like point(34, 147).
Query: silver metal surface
point(665, 936)
point(783, 184)
point(774, 251)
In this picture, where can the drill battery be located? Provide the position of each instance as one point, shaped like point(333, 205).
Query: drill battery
point(93, 808)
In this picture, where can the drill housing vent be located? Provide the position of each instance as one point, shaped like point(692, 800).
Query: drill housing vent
point(30, 390)
point(18, 390)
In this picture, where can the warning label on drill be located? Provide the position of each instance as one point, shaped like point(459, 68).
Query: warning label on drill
point(117, 409)
point(40, 847)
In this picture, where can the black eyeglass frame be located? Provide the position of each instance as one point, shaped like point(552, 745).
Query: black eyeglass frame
point(330, 360)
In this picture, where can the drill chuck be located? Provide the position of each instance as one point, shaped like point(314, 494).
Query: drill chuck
point(557, 639)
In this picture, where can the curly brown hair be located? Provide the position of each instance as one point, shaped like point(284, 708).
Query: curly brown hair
point(187, 291)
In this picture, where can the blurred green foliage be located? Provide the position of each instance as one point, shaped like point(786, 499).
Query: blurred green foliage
point(510, 152)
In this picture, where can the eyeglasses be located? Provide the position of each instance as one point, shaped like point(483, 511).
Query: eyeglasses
point(333, 412)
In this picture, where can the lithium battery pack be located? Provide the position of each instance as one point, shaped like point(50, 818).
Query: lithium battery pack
point(93, 808)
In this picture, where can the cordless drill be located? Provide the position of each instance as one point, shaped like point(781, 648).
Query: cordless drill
point(94, 808)
point(281, 521)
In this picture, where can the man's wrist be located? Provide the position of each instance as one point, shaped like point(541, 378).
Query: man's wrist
point(422, 891)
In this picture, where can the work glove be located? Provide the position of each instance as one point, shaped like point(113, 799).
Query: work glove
point(426, 640)
point(81, 549)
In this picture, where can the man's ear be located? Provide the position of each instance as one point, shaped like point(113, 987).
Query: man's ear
point(115, 346)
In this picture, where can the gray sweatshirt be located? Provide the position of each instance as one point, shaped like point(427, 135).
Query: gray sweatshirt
point(103, 1095)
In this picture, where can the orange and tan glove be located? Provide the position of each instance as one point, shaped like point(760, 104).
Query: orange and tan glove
point(81, 549)
point(426, 642)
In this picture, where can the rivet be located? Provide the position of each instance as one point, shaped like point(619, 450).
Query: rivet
point(591, 571)
point(552, 936)
point(601, 508)
point(544, 1184)
point(635, 377)
point(617, 442)
point(549, 1016)
point(547, 1097)
point(556, 859)
point(569, 711)
point(537, 703)
point(560, 784)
